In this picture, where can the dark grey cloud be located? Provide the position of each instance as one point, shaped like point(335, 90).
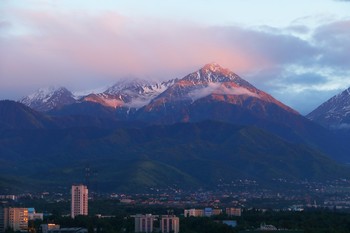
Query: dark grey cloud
point(334, 42)
point(277, 48)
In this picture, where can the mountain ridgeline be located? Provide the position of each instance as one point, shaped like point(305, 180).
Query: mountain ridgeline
point(334, 113)
point(209, 127)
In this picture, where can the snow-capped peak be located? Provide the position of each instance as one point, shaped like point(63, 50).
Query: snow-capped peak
point(335, 112)
point(214, 67)
point(127, 84)
point(214, 73)
point(42, 94)
point(129, 93)
point(45, 99)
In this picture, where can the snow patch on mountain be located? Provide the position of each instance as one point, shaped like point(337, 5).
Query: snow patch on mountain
point(335, 112)
point(82, 93)
point(42, 94)
point(48, 98)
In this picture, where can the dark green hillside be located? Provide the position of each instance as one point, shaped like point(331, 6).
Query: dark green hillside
point(14, 115)
point(187, 155)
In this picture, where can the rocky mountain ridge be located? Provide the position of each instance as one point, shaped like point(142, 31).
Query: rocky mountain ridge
point(334, 113)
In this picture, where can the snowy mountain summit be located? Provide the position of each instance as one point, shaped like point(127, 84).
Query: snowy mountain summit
point(134, 93)
point(335, 112)
point(48, 98)
point(214, 82)
point(209, 82)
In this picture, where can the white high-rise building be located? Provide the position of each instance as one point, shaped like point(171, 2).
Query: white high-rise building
point(79, 203)
point(169, 223)
point(144, 223)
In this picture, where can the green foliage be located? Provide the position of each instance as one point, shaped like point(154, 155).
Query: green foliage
point(310, 221)
point(320, 221)
point(203, 225)
point(134, 159)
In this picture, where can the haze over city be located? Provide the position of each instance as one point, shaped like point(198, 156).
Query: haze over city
point(297, 51)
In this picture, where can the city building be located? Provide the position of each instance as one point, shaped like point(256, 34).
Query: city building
point(144, 223)
point(217, 211)
point(32, 215)
point(8, 197)
point(169, 223)
point(208, 212)
point(15, 218)
point(2, 219)
point(231, 223)
point(49, 228)
point(72, 230)
point(194, 213)
point(233, 211)
point(264, 227)
point(79, 201)
point(54, 228)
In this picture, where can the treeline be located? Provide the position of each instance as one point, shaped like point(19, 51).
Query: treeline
point(315, 221)
point(310, 221)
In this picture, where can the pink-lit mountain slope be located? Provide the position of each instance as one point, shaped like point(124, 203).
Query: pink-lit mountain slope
point(129, 93)
point(214, 93)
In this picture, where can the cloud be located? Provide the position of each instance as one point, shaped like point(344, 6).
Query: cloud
point(64, 47)
point(334, 42)
point(81, 50)
point(341, 126)
point(220, 89)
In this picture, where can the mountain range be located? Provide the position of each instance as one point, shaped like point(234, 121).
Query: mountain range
point(134, 99)
point(208, 126)
point(211, 93)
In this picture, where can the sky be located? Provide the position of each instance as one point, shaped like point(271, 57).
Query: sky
point(297, 51)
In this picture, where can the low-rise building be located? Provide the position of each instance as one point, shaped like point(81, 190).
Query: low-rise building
point(233, 211)
point(8, 197)
point(54, 228)
point(49, 228)
point(194, 213)
point(207, 212)
point(217, 211)
point(33, 215)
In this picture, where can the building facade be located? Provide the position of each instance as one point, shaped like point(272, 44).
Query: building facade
point(49, 228)
point(144, 223)
point(15, 218)
point(233, 211)
point(169, 223)
point(79, 201)
point(2, 219)
point(33, 215)
point(194, 213)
